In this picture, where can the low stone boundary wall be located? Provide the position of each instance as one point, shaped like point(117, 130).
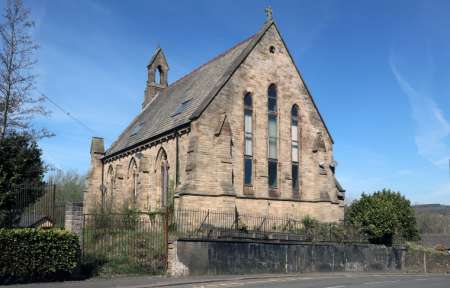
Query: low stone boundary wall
point(215, 257)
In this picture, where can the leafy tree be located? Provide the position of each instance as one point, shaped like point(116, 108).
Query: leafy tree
point(20, 162)
point(69, 185)
point(384, 215)
point(18, 99)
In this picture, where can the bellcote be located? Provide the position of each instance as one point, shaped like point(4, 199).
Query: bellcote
point(157, 70)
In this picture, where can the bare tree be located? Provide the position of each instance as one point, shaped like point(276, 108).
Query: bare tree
point(70, 185)
point(19, 100)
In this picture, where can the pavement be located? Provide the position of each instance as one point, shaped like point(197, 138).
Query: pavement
point(307, 280)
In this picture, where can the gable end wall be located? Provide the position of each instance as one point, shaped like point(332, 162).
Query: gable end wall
point(214, 174)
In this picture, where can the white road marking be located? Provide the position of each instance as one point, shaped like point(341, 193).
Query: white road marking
point(379, 282)
point(243, 282)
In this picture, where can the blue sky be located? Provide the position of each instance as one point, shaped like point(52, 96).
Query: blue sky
point(378, 70)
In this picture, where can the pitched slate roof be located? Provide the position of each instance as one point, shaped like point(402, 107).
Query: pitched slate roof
point(189, 96)
point(185, 99)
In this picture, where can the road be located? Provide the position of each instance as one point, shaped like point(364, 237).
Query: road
point(315, 280)
point(337, 281)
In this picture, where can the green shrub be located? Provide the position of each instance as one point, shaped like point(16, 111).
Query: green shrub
point(309, 226)
point(36, 254)
point(384, 216)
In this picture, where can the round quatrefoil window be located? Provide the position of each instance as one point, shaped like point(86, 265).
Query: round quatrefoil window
point(272, 49)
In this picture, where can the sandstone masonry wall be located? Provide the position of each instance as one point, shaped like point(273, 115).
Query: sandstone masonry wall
point(218, 153)
point(211, 155)
point(148, 181)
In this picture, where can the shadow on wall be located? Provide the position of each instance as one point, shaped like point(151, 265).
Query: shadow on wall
point(231, 257)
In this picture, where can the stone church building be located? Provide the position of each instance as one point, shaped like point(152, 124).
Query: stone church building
point(239, 132)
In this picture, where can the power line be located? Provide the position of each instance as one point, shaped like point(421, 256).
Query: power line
point(69, 115)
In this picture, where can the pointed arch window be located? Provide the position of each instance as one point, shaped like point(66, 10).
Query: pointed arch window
point(162, 170)
point(133, 179)
point(272, 136)
point(295, 148)
point(248, 139)
point(108, 197)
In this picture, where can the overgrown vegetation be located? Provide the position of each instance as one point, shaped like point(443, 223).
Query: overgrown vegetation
point(384, 216)
point(36, 255)
point(414, 246)
point(126, 241)
point(129, 243)
point(316, 231)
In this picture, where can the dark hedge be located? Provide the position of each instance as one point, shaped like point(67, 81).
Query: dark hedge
point(28, 255)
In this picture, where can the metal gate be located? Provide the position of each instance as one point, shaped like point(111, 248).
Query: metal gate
point(130, 243)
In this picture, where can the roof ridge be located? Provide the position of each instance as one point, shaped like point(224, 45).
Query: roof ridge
point(232, 68)
point(238, 54)
point(213, 59)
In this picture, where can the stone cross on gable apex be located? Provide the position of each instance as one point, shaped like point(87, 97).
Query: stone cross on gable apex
point(268, 11)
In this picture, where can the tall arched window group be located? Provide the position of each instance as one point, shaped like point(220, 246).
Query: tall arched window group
point(160, 183)
point(272, 141)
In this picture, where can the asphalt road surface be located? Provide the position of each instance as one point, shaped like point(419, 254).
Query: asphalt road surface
point(313, 280)
point(338, 281)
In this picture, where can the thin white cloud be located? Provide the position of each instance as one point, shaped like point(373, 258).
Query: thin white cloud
point(432, 128)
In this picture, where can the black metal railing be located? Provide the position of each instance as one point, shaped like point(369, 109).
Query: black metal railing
point(125, 243)
point(137, 242)
point(32, 205)
point(210, 224)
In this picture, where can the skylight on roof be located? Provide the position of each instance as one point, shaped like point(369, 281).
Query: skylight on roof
point(137, 128)
point(182, 107)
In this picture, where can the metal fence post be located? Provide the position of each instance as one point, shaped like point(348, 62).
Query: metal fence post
point(53, 187)
point(166, 236)
point(329, 228)
point(83, 230)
